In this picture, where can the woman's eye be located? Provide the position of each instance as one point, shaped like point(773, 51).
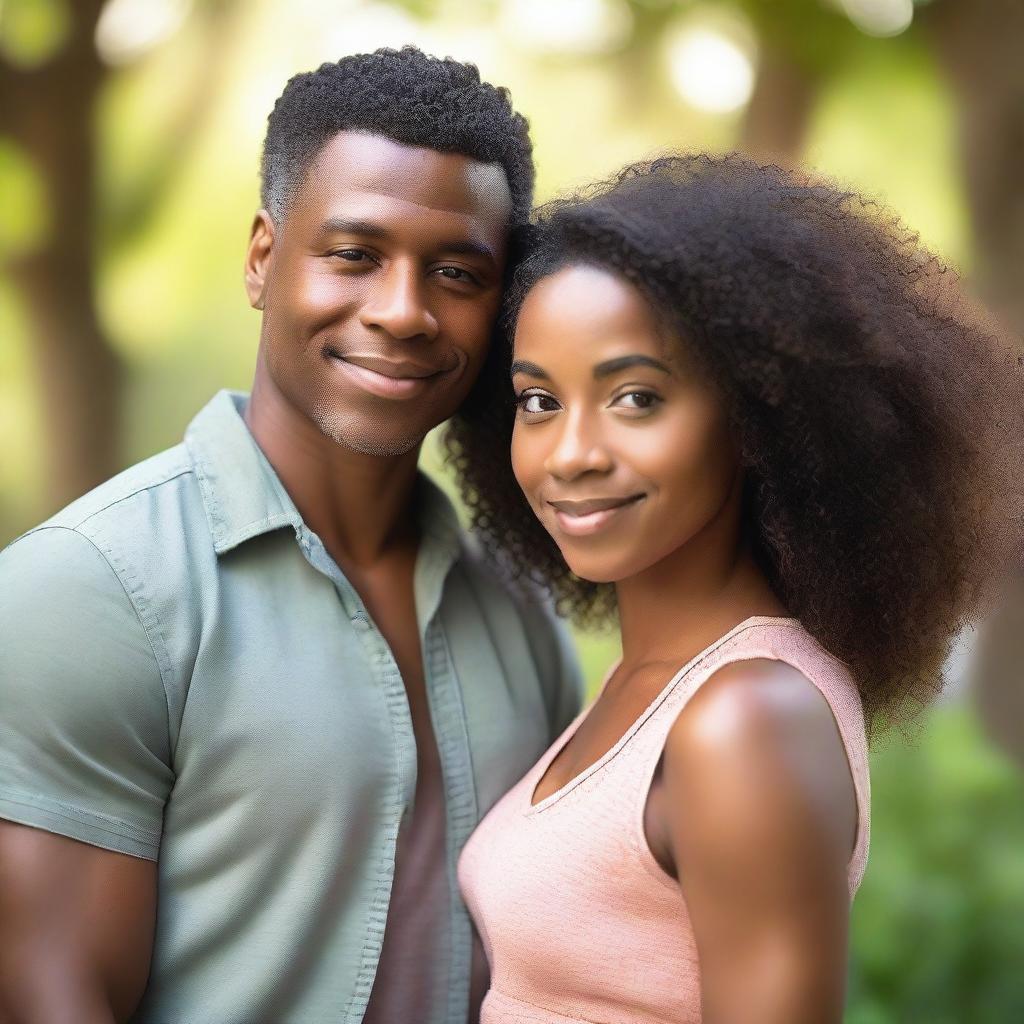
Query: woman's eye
point(536, 403)
point(638, 399)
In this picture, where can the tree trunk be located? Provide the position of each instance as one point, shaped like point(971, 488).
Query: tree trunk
point(50, 112)
point(996, 674)
point(80, 377)
point(779, 113)
point(979, 46)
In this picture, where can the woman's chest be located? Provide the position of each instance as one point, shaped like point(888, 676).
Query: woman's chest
point(622, 704)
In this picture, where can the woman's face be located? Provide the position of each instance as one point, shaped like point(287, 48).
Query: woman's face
point(621, 447)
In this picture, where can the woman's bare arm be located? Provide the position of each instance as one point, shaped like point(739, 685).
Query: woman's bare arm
point(762, 819)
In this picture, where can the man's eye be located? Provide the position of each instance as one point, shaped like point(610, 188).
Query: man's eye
point(351, 255)
point(456, 274)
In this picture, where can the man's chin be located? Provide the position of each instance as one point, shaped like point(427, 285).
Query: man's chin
point(377, 439)
point(380, 448)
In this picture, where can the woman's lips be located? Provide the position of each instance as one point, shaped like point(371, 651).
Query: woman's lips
point(582, 518)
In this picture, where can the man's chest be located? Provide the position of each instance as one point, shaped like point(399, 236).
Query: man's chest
point(300, 709)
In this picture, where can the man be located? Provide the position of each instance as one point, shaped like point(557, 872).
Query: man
point(255, 691)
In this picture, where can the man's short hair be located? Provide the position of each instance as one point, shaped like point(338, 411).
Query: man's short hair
point(403, 95)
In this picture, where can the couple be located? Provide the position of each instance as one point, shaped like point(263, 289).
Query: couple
point(270, 724)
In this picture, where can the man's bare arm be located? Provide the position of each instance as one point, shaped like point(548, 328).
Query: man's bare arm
point(76, 929)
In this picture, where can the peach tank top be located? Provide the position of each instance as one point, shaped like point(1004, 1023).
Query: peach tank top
point(578, 920)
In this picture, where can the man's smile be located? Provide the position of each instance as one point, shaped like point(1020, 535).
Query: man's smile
point(388, 378)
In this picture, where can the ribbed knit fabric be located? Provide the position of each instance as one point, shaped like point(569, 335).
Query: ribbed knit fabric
point(579, 921)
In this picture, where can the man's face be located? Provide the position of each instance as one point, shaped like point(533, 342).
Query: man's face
point(379, 287)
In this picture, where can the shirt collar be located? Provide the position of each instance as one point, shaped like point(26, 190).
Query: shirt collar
point(244, 497)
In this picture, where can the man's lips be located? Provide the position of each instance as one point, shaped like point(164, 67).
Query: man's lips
point(387, 378)
point(587, 516)
point(397, 369)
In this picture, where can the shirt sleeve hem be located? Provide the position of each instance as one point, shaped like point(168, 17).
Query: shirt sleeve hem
point(85, 826)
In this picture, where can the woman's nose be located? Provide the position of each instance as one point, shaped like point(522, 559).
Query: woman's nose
point(579, 449)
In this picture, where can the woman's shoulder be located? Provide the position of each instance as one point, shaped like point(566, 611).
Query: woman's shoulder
point(757, 751)
point(755, 699)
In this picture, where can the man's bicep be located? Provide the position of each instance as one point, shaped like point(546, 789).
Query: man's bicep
point(76, 928)
point(84, 748)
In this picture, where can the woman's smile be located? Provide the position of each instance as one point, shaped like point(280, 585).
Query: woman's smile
point(589, 516)
point(620, 445)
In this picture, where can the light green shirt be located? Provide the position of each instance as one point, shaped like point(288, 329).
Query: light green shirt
point(187, 676)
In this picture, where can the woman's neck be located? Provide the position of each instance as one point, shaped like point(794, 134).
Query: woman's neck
point(687, 600)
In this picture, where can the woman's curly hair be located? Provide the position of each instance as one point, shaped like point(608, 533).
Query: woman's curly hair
point(880, 419)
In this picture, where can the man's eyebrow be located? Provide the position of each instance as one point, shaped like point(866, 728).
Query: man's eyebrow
point(467, 247)
point(345, 225)
point(369, 229)
point(610, 366)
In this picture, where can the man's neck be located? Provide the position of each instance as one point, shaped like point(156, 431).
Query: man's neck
point(359, 505)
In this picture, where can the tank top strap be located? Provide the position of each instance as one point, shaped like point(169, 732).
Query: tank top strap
point(778, 639)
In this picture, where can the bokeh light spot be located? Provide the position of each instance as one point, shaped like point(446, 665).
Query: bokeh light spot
point(710, 70)
point(127, 29)
point(880, 17)
point(567, 26)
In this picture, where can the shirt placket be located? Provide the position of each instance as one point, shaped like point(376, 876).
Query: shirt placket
point(449, 722)
point(387, 675)
point(448, 719)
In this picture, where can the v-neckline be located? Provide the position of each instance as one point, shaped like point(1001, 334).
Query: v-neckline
point(541, 768)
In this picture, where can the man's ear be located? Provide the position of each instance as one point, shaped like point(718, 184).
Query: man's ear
point(258, 258)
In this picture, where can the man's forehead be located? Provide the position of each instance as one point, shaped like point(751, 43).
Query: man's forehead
point(372, 164)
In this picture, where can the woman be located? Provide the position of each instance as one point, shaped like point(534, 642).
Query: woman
point(749, 418)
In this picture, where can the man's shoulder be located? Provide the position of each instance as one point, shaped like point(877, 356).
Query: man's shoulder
point(143, 505)
point(147, 520)
point(117, 495)
point(117, 575)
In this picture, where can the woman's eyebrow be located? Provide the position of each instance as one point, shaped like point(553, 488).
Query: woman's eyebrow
point(605, 369)
point(532, 369)
point(610, 366)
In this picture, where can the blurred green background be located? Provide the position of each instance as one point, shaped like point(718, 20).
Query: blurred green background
point(129, 140)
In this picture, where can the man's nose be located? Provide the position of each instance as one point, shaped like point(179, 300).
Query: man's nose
point(579, 449)
point(397, 305)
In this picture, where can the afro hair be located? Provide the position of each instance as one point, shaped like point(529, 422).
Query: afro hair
point(879, 418)
point(403, 95)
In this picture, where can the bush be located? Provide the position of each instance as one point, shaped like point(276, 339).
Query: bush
point(938, 925)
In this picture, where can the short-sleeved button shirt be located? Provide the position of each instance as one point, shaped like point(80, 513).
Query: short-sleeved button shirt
point(187, 676)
